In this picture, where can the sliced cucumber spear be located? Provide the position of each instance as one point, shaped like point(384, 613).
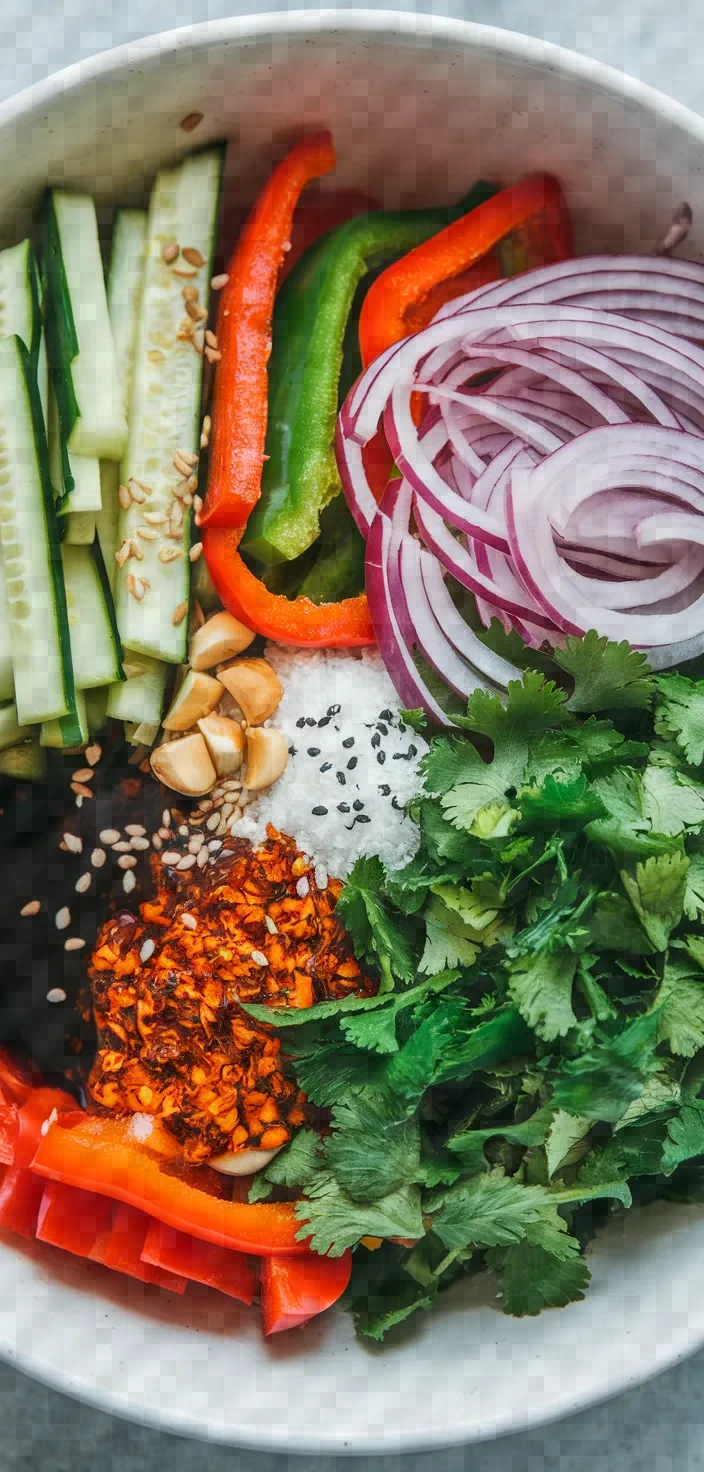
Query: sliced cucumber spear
point(152, 586)
point(125, 279)
point(38, 623)
point(79, 337)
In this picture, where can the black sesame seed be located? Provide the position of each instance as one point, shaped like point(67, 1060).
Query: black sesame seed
point(386, 715)
point(376, 739)
point(333, 710)
point(381, 727)
point(343, 807)
point(363, 818)
point(348, 741)
point(402, 726)
point(396, 804)
point(341, 778)
point(358, 805)
point(300, 723)
point(319, 812)
point(381, 757)
point(385, 790)
point(351, 763)
point(314, 751)
point(413, 751)
point(326, 766)
point(292, 751)
point(324, 721)
point(310, 721)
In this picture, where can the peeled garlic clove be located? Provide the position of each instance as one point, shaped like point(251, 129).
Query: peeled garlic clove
point(196, 697)
point(243, 1162)
point(225, 741)
point(218, 639)
point(184, 765)
point(267, 757)
point(255, 686)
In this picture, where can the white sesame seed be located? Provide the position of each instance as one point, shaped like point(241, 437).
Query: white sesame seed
point(31, 908)
point(93, 754)
point(170, 858)
point(195, 551)
point(213, 822)
point(202, 858)
point(217, 282)
point(165, 833)
point(321, 877)
point(140, 845)
point(231, 785)
point(109, 835)
point(302, 887)
point(135, 830)
point(74, 943)
point(205, 805)
point(189, 921)
point(218, 792)
point(84, 774)
point(97, 858)
point(270, 925)
point(147, 950)
point(126, 861)
point(156, 841)
point(121, 847)
point(227, 853)
point(215, 845)
point(128, 882)
point(73, 843)
point(228, 809)
point(187, 862)
point(183, 831)
point(166, 817)
point(79, 801)
point(195, 843)
point(83, 883)
point(62, 918)
point(56, 994)
point(259, 958)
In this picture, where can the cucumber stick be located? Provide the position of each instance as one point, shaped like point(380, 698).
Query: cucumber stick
point(69, 731)
point(140, 697)
point(38, 621)
point(79, 337)
point(95, 644)
point(11, 732)
point(125, 279)
point(165, 408)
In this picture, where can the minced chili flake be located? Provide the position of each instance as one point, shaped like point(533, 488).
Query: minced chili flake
point(173, 1039)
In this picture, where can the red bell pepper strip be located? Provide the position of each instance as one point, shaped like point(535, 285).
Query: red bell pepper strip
point(123, 1251)
point(405, 284)
point(20, 1198)
point(202, 1262)
point(8, 1132)
point(73, 1219)
point(102, 1153)
point(315, 215)
point(344, 625)
point(244, 323)
point(33, 1116)
point(295, 1289)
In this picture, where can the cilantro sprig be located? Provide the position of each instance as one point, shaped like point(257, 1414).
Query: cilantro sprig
point(534, 1055)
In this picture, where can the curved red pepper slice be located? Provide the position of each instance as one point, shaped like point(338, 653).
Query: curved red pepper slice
point(344, 625)
point(245, 312)
point(295, 1289)
point(202, 1262)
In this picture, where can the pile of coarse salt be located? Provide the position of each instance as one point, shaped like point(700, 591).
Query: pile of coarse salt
point(353, 763)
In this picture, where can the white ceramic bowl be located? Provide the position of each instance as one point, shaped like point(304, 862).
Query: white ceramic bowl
point(419, 108)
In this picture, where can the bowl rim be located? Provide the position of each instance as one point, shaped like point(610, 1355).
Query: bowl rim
point(407, 25)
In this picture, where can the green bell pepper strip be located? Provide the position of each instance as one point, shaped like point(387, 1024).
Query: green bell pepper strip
point(300, 476)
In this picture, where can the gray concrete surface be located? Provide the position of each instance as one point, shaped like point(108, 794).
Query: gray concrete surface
point(658, 1428)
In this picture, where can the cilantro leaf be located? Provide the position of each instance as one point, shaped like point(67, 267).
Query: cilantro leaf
point(456, 772)
point(469, 1144)
point(612, 926)
point(607, 676)
point(694, 888)
point(378, 937)
point(685, 1136)
point(679, 714)
point(449, 941)
point(622, 796)
point(656, 891)
point(554, 801)
point(601, 1083)
point(295, 1166)
point(370, 1153)
point(681, 1003)
point(531, 1279)
point(491, 1210)
point(332, 1221)
point(671, 802)
point(566, 1132)
point(541, 987)
point(416, 719)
